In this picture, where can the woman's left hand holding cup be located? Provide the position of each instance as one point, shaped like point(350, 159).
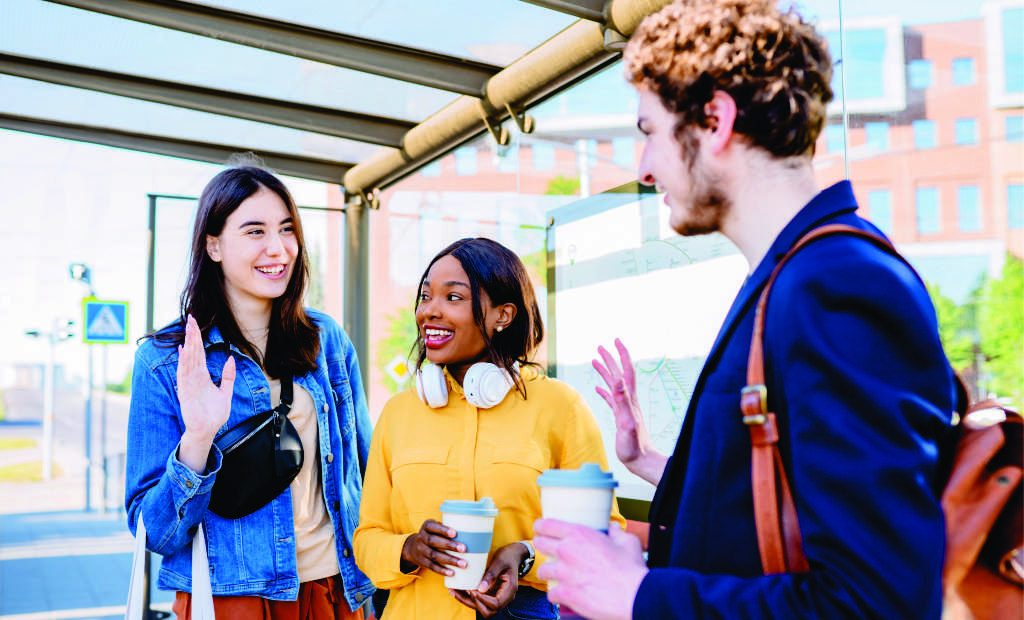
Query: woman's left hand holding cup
point(204, 406)
point(499, 584)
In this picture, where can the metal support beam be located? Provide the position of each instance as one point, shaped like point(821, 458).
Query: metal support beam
point(451, 73)
point(566, 58)
point(584, 9)
point(351, 125)
point(356, 282)
point(283, 163)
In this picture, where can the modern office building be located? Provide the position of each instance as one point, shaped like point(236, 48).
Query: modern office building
point(927, 122)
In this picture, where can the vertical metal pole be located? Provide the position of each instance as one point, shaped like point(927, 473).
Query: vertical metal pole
point(103, 428)
point(150, 300)
point(842, 75)
point(356, 283)
point(583, 162)
point(147, 613)
point(88, 435)
point(48, 398)
point(151, 264)
point(551, 337)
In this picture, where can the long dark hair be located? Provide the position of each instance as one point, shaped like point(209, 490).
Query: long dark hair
point(500, 273)
point(293, 342)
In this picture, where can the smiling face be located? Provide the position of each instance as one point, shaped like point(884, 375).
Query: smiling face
point(693, 194)
point(444, 317)
point(257, 249)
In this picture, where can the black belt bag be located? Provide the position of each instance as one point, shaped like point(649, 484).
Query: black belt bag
point(260, 458)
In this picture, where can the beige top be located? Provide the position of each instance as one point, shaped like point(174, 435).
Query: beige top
point(315, 547)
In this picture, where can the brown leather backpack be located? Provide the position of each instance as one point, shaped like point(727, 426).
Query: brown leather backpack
point(983, 498)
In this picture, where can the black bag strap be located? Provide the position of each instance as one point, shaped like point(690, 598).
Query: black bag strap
point(283, 425)
point(286, 395)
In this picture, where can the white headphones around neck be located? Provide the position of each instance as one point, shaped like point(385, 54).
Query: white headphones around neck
point(485, 385)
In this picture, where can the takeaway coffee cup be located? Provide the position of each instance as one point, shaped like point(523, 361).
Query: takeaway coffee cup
point(473, 523)
point(582, 496)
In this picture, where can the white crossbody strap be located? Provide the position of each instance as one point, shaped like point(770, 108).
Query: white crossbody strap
point(134, 611)
point(202, 594)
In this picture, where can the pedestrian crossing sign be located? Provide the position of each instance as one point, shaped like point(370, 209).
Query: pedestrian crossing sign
point(106, 322)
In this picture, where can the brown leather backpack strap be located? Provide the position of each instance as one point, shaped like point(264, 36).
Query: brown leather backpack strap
point(778, 530)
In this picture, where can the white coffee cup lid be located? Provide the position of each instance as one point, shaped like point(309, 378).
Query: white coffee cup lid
point(483, 508)
point(589, 475)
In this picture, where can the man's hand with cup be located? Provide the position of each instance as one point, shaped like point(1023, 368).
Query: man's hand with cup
point(595, 574)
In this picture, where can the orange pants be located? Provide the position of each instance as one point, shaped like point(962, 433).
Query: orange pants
point(322, 599)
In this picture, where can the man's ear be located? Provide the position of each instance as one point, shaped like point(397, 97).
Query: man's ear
point(213, 248)
point(721, 114)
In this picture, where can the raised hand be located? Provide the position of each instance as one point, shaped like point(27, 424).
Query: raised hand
point(633, 443)
point(428, 549)
point(499, 584)
point(204, 406)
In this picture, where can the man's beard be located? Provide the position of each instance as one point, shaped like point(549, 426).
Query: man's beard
point(707, 203)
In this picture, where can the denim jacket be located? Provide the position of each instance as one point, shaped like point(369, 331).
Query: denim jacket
point(254, 555)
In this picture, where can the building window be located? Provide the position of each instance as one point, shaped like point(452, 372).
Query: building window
point(963, 71)
point(880, 209)
point(624, 152)
point(968, 208)
point(877, 135)
point(433, 169)
point(863, 64)
point(508, 158)
point(920, 73)
point(966, 130)
point(927, 199)
point(465, 161)
point(1015, 205)
point(835, 138)
point(543, 156)
point(1013, 49)
point(1015, 128)
point(924, 134)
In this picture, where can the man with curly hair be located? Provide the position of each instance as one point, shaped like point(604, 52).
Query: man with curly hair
point(732, 96)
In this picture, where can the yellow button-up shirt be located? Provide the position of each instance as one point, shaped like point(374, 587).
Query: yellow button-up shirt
point(420, 457)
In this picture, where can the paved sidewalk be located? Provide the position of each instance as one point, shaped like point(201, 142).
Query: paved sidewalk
point(65, 565)
point(57, 560)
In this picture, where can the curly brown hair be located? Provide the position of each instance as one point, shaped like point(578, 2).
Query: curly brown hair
point(773, 64)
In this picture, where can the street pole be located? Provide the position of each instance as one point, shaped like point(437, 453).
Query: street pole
point(88, 437)
point(48, 398)
point(82, 273)
point(103, 428)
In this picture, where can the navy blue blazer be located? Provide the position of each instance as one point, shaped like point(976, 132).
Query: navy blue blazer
point(864, 394)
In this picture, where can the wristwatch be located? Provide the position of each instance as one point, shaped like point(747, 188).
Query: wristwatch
point(527, 562)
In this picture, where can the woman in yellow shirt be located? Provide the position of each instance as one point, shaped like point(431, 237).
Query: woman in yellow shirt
point(494, 422)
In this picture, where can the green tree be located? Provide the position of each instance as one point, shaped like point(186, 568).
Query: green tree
point(957, 328)
point(315, 291)
point(536, 265)
point(563, 186)
point(1002, 331)
point(399, 341)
